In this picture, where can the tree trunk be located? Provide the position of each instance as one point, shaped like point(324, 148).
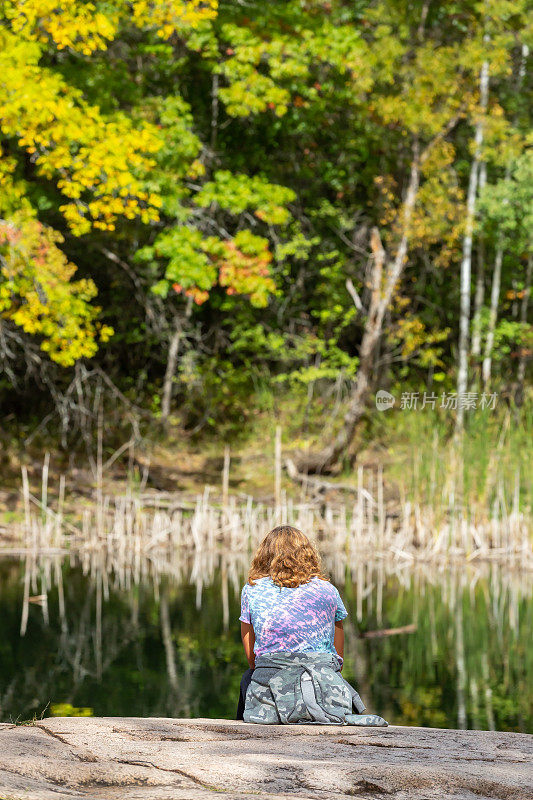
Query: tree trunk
point(479, 295)
point(172, 360)
point(464, 318)
point(214, 113)
point(493, 315)
point(383, 285)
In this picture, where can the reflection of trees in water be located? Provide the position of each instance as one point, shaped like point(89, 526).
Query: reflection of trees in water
point(470, 661)
point(149, 637)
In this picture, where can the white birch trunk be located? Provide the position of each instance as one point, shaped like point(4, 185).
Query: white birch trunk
point(466, 263)
point(497, 274)
point(479, 295)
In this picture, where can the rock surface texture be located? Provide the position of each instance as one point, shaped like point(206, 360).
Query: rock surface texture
point(181, 759)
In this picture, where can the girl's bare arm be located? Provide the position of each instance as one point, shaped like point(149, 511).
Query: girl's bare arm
point(338, 639)
point(248, 640)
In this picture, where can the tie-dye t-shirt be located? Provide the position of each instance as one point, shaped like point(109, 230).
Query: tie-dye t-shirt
point(300, 619)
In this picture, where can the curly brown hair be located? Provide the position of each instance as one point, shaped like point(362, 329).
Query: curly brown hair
point(287, 556)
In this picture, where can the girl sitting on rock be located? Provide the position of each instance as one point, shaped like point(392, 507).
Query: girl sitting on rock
point(293, 637)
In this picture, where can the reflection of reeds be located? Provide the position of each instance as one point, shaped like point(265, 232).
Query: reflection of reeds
point(473, 618)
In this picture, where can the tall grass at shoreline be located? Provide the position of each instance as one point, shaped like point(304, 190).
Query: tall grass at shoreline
point(489, 467)
point(361, 522)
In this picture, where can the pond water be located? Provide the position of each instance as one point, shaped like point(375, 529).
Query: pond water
point(164, 646)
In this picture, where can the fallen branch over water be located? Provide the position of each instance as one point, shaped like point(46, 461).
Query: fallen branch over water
point(320, 485)
point(387, 632)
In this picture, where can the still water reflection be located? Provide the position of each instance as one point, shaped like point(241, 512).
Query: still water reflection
point(171, 647)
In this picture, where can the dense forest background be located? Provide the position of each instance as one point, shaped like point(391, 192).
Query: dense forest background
point(215, 218)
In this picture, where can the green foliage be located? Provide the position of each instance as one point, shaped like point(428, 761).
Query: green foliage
point(237, 193)
point(187, 260)
point(194, 264)
point(506, 207)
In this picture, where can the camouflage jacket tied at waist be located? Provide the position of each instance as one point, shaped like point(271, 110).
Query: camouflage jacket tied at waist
point(303, 688)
